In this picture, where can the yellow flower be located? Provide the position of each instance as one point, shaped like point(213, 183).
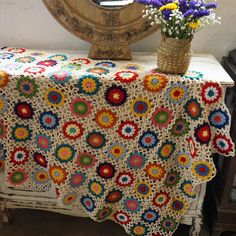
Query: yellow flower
point(194, 25)
point(169, 6)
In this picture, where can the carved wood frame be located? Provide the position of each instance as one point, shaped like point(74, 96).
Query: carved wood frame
point(110, 31)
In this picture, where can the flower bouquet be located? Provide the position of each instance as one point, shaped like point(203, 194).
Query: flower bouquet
point(179, 20)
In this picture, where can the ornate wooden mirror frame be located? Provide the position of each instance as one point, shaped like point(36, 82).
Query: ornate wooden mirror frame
point(109, 30)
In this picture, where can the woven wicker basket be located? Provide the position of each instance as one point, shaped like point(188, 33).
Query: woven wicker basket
point(174, 55)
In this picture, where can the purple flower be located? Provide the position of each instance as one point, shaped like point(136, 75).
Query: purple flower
point(188, 13)
point(166, 14)
point(201, 13)
point(211, 5)
point(155, 3)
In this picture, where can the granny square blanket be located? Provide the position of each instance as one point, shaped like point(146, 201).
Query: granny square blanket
point(127, 143)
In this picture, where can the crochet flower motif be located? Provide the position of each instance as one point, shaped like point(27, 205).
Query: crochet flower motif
point(16, 50)
point(116, 151)
point(128, 130)
point(81, 61)
point(166, 150)
point(19, 155)
point(116, 95)
point(77, 179)
point(72, 130)
point(193, 75)
point(139, 229)
point(122, 217)
point(57, 174)
point(125, 179)
point(132, 205)
point(140, 107)
point(168, 224)
point(86, 160)
point(148, 139)
point(60, 77)
point(161, 199)
point(202, 170)
point(69, 198)
point(18, 177)
point(64, 153)
point(26, 87)
point(54, 97)
point(178, 206)
point(4, 78)
point(155, 171)
point(40, 176)
point(186, 188)
point(71, 67)
point(162, 117)
point(88, 84)
point(155, 82)
point(219, 118)
point(107, 64)
point(182, 159)
point(48, 120)
point(223, 144)
point(114, 196)
point(40, 159)
point(143, 189)
point(177, 93)
point(105, 118)
point(106, 170)
point(6, 56)
point(98, 70)
point(211, 92)
point(96, 140)
point(126, 76)
point(21, 133)
point(88, 203)
point(150, 216)
point(47, 63)
point(80, 107)
point(192, 147)
point(172, 178)
point(103, 213)
point(26, 59)
point(58, 57)
point(203, 133)
point(34, 70)
point(43, 142)
point(193, 109)
point(96, 188)
point(133, 67)
point(24, 110)
point(180, 127)
point(136, 160)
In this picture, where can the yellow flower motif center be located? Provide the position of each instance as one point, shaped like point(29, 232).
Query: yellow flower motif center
point(21, 133)
point(139, 230)
point(64, 153)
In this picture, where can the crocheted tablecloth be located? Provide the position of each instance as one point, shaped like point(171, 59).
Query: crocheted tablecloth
point(126, 142)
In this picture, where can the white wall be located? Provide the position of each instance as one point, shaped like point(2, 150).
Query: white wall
point(27, 23)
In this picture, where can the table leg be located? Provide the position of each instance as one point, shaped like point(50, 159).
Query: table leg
point(196, 227)
point(5, 213)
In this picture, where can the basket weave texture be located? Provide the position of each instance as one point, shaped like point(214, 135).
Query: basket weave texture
point(174, 55)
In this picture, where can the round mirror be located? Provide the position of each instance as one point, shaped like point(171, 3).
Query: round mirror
point(112, 3)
